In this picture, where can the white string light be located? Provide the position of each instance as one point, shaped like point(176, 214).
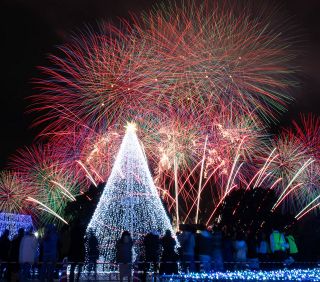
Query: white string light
point(13, 222)
point(130, 200)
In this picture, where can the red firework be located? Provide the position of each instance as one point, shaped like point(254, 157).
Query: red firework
point(14, 192)
point(307, 129)
point(185, 58)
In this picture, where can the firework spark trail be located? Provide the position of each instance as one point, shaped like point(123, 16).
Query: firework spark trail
point(265, 167)
point(197, 35)
point(200, 180)
point(291, 155)
point(281, 197)
point(307, 129)
point(46, 208)
point(64, 190)
point(14, 190)
point(307, 211)
point(55, 186)
point(203, 186)
point(88, 153)
point(309, 193)
point(181, 57)
point(192, 77)
point(307, 206)
point(87, 173)
point(230, 182)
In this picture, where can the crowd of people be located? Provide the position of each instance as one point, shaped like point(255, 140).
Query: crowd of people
point(216, 250)
point(156, 254)
point(33, 255)
point(193, 249)
point(204, 251)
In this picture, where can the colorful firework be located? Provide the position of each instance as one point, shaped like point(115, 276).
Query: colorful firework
point(180, 58)
point(213, 53)
point(87, 153)
point(291, 154)
point(54, 185)
point(14, 191)
point(199, 82)
point(308, 198)
point(293, 163)
point(307, 129)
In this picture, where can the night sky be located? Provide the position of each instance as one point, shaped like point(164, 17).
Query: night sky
point(30, 29)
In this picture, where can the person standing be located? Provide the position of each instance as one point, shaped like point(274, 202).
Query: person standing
point(27, 254)
point(140, 267)
point(124, 255)
point(93, 253)
point(291, 248)
point(64, 242)
point(263, 250)
point(278, 246)
point(187, 243)
point(14, 255)
point(77, 250)
point(4, 252)
point(169, 256)
point(240, 250)
point(49, 253)
point(228, 250)
point(152, 246)
point(217, 258)
point(205, 249)
point(252, 242)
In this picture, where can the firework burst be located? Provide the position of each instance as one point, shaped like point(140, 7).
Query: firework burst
point(14, 191)
point(200, 82)
point(54, 185)
point(179, 58)
point(307, 129)
point(212, 53)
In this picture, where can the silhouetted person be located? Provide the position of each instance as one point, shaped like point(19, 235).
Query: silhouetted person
point(93, 253)
point(187, 243)
point(252, 243)
point(124, 255)
point(228, 251)
point(27, 254)
point(240, 250)
point(278, 246)
point(140, 266)
point(77, 250)
point(49, 253)
point(14, 255)
point(204, 242)
point(217, 257)
point(169, 256)
point(263, 249)
point(152, 251)
point(4, 252)
point(292, 249)
point(64, 242)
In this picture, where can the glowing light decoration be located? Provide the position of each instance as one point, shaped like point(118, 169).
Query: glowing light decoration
point(13, 222)
point(249, 275)
point(130, 200)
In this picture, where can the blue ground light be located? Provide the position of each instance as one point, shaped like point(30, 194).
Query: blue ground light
point(250, 275)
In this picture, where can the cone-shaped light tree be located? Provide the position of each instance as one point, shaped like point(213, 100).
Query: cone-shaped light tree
point(130, 200)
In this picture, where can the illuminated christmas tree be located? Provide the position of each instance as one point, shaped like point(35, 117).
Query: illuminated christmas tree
point(130, 200)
